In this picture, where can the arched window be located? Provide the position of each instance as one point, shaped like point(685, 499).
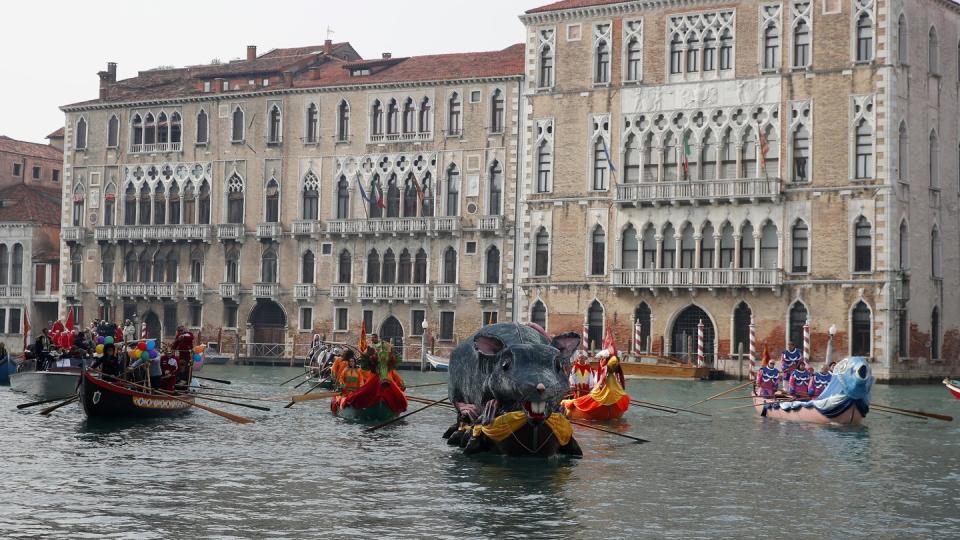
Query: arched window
point(110, 205)
point(631, 161)
point(450, 265)
point(159, 266)
point(598, 251)
point(496, 189)
point(404, 267)
point(862, 246)
point(426, 201)
point(150, 129)
point(629, 249)
point(933, 51)
point(649, 247)
point(272, 206)
point(409, 115)
point(801, 43)
point(546, 67)
point(934, 160)
point(343, 121)
point(373, 266)
point(235, 199)
point(600, 165)
point(688, 248)
point(801, 154)
point(196, 266)
point(311, 124)
point(393, 117)
point(771, 160)
point(344, 267)
point(799, 243)
point(860, 330)
point(274, 132)
point(237, 129)
point(742, 316)
point(544, 165)
point(144, 204)
point(864, 38)
point(634, 58)
point(693, 52)
point(602, 63)
point(113, 132)
point(902, 153)
point(425, 121)
point(173, 267)
point(935, 253)
point(864, 150)
point(189, 204)
point(81, 137)
point(904, 260)
point(708, 156)
point(203, 204)
point(453, 191)
point(769, 246)
point(173, 203)
point(376, 197)
point(137, 129)
point(676, 53)
point(798, 318)
point(643, 318)
point(707, 246)
point(130, 267)
point(343, 198)
point(311, 196)
point(726, 50)
point(747, 245)
point(454, 115)
point(202, 129)
point(748, 158)
point(541, 264)
point(268, 266)
point(496, 111)
point(393, 197)
point(389, 273)
point(130, 205)
point(902, 54)
point(163, 129)
point(728, 156)
point(651, 160)
point(376, 118)
point(668, 255)
point(176, 133)
point(594, 326)
point(232, 272)
point(79, 196)
point(143, 266)
point(935, 333)
point(159, 205)
point(420, 267)
point(492, 270)
point(727, 246)
point(538, 314)
point(669, 157)
point(4, 264)
point(771, 46)
point(410, 196)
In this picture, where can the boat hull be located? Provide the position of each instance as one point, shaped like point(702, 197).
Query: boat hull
point(46, 384)
point(600, 414)
point(663, 370)
point(102, 399)
point(7, 368)
point(376, 413)
point(953, 387)
point(849, 417)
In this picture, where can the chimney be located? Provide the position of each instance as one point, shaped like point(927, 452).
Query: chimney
point(328, 46)
point(112, 71)
point(107, 78)
point(387, 56)
point(251, 52)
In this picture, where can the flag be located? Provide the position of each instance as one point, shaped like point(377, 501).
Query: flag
point(764, 148)
point(363, 192)
point(381, 204)
point(69, 325)
point(362, 344)
point(608, 342)
point(26, 329)
point(765, 359)
point(416, 186)
point(686, 156)
point(606, 154)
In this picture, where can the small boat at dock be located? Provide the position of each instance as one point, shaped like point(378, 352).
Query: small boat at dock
point(953, 386)
point(59, 380)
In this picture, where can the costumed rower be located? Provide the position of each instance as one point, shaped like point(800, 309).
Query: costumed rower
point(340, 364)
point(350, 377)
point(768, 376)
point(788, 360)
point(183, 345)
point(608, 399)
point(821, 379)
point(582, 376)
point(801, 379)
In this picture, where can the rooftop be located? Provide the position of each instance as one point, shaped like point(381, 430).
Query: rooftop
point(23, 203)
point(24, 148)
point(573, 4)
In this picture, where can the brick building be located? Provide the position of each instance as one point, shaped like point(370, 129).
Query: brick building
point(727, 162)
point(297, 191)
point(28, 163)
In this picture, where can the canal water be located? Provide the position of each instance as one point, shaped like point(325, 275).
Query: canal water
point(300, 473)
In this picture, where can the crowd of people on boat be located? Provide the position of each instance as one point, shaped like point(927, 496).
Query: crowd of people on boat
point(794, 378)
point(593, 388)
point(349, 372)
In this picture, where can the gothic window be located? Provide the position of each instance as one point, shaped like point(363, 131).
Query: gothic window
point(202, 127)
point(196, 266)
point(748, 159)
point(598, 251)
point(707, 246)
point(492, 270)
point(631, 161)
point(864, 150)
point(130, 267)
point(801, 154)
point(728, 156)
point(771, 160)
point(799, 243)
point(176, 133)
point(649, 247)
point(450, 265)
point(769, 246)
point(797, 318)
point(904, 260)
point(546, 67)
point(393, 117)
point(426, 201)
point(600, 165)
point(771, 36)
point(393, 197)
point(235, 199)
point(4, 264)
point(203, 204)
point(144, 267)
point(268, 266)
point(453, 193)
point(150, 129)
point(343, 121)
point(864, 33)
point(933, 53)
point(410, 196)
point(544, 164)
point(311, 197)
point(742, 316)
point(801, 34)
point(709, 52)
point(389, 273)
point(376, 119)
point(541, 265)
point(454, 115)
point(633, 51)
point(602, 73)
point(935, 253)
point(189, 204)
point(232, 273)
point(424, 121)
point(935, 333)
point(144, 202)
point(496, 189)
point(708, 156)
point(173, 203)
point(159, 266)
point(237, 129)
point(420, 267)
point(496, 111)
point(274, 126)
point(629, 249)
point(727, 246)
point(310, 133)
point(130, 205)
point(688, 248)
point(78, 199)
point(862, 245)
point(404, 268)
point(538, 314)
point(173, 267)
point(137, 128)
point(113, 132)
point(860, 329)
point(409, 115)
point(159, 205)
point(163, 128)
point(693, 52)
point(668, 247)
point(109, 205)
point(272, 206)
point(343, 198)
point(676, 54)
point(373, 267)
point(594, 326)
point(726, 50)
point(747, 245)
point(651, 160)
point(934, 160)
point(669, 157)
point(81, 135)
point(344, 270)
point(376, 197)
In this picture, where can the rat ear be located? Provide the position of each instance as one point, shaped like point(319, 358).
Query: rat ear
point(567, 343)
point(487, 345)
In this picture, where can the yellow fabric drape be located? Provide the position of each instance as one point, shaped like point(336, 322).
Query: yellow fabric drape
point(504, 425)
point(609, 392)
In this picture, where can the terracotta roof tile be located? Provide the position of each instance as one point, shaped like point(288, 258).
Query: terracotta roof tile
point(20, 202)
point(58, 134)
point(573, 4)
point(44, 151)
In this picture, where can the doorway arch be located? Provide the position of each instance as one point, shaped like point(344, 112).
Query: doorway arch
point(268, 323)
point(683, 334)
point(391, 331)
point(154, 328)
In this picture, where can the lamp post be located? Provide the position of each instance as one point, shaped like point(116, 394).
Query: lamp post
point(832, 331)
point(423, 345)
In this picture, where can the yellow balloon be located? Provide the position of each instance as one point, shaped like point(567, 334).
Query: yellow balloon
point(99, 349)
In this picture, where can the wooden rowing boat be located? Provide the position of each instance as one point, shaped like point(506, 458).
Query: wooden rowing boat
point(953, 387)
point(798, 411)
point(661, 367)
point(105, 399)
point(845, 400)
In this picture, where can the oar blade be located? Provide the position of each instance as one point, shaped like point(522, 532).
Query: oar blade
point(48, 410)
point(310, 397)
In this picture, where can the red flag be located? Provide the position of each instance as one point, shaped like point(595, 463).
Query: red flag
point(362, 344)
point(69, 325)
point(380, 202)
point(26, 329)
point(608, 342)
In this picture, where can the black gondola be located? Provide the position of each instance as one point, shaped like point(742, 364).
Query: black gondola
point(108, 399)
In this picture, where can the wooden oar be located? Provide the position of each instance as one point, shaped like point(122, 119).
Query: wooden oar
point(754, 404)
point(735, 388)
point(294, 398)
point(223, 414)
point(291, 379)
point(881, 410)
point(237, 396)
point(305, 381)
point(651, 407)
point(48, 410)
point(247, 405)
point(427, 384)
point(221, 381)
point(35, 403)
point(310, 397)
point(402, 416)
point(610, 431)
point(671, 407)
point(935, 416)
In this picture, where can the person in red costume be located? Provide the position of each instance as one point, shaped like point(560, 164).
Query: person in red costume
point(582, 376)
point(183, 348)
point(168, 367)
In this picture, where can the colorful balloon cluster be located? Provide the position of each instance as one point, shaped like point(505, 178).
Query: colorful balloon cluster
point(198, 353)
point(143, 349)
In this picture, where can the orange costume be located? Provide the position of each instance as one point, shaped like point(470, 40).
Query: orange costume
point(351, 379)
point(608, 400)
point(339, 364)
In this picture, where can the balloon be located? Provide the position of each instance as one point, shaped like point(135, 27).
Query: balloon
point(142, 346)
point(108, 340)
point(100, 340)
point(153, 353)
point(99, 349)
point(196, 357)
point(151, 345)
point(197, 349)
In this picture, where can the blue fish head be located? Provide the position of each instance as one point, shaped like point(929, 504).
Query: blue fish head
point(853, 377)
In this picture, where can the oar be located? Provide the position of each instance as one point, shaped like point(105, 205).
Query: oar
point(247, 405)
point(402, 416)
point(671, 407)
point(943, 417)
point(224, 414)
point(221, 381)
point(305, 381)
point(291, 379)
point(294, 399)
point(48, 410)
point(427, 384)
point(35, 403)
point(755, 404)
point(310, 397)
point(735, 388)
point(610, 431)
point(881, 410)
point(651, 407)
point(237, 396)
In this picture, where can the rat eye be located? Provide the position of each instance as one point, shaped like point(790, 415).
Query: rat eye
point(558, 364)
point(505, 365)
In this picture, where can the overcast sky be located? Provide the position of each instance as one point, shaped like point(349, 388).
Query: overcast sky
point(51, 51)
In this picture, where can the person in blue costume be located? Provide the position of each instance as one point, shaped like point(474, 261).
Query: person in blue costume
point(821, 379)
point(788, 361)
point(768, 377)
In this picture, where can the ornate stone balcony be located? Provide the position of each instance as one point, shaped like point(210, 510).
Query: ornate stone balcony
point(269, 231)
point(340, 291)
point(401, 137)
point(193, 291)
point(446, 292)
point(155, 148)
point(304, 291)
point(488, 292)
point(11, 291)
point(230, 231)
point(230, 290)
point(142, 233)
point(392, 293)
point(490, 224)
point(147, 290)
point(697, 278)
point(104, 290)
point(71, 290)
point(305, 227)
point(266, 290)
point(394, 226)
point(71, 234)
point(698, 191)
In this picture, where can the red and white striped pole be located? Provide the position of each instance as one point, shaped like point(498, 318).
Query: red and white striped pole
point(637, 339)
point(753, 343)
point(586, 336)
point(806, 343)
point(700, 344)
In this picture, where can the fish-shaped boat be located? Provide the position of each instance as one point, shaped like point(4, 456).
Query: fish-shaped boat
point(845, 400)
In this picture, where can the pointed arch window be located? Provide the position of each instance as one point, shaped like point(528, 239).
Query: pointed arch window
point(594, 326)
point(176, 131)
point(728, 156)
point(137, 128)
point(307, 264)
point(797, 318)
point(373, 266)
point(130, 267)
point(864, 32)
point(454, 114)
point(934, 160)
point(693, 53)
point(312, 123)
point(538, 314)
point(492, 268)
point(79, 196)
point(272, 203)
point(495, 189)
point(409, 116)
point(933, 52)
point(376, 118)
point(862, 245)
point(163, 128)
point(344, 267)
point(173, 267)
point(541, 265)
point(904, 255)
point(149, 129)
point(935, 250)
point(203, 204)
point(688, 248)
point(749, 155)
point(113, 132)
point(173, 203)
point(389, 273)
point(450, 265)
point(426, 202)
point(771, 46)
point(144, 267)
point(707, 246)
point(343, 121)
point(159, 266)
point(393, 117)
point(376, 197)
point(799, 243)
point(268, 266)
point(747, 245)
point(311, 197)
point(420, 267)
point(649, 247)
point(404, 267)
point(602, 63)
point(81, 137)
point(676, 54)
point(629, 248)
point(726, 50)
point(631, 161)
point(670, 157)
point(546, 67)
point(196, 266)
point(727, 246)
point(544, 166)
point(343, 198)
point(425, 118)
point(651, 160)
point(144, 201)
point(801, 43)
point(453, 191)
point(159, 205)
point(769, 246)
point(189, 204)
point(708, 156)
point(902, 54)
point(935, 333)
point(202, 127)
point(864, 150)
point(600, 165)
point(643, 318)
point(232, 271)
point(598, 251)
point(860, 330)
point(110, 205)
point(274, 134)
point(235, 199)
point(497, 110)
point(801, 154)
point(4, 264)
point(237, 128)
point(742, 316)
point(410, 196)
point(668, 255)
point(393, 197)
point(130, 205)
point(634, 57)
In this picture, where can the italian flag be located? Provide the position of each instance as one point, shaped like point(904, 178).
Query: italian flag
point(686, 156)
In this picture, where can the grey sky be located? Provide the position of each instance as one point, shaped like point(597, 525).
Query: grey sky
point(51, 54)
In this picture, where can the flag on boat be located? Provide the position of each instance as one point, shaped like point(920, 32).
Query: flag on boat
point(362, 344)
point(686, 156)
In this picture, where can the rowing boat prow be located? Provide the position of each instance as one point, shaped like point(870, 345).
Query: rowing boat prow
point(845, 401)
